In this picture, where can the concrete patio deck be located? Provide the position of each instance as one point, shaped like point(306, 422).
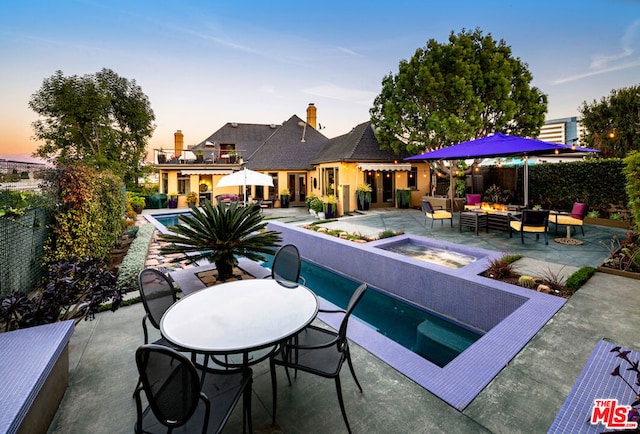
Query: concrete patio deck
point(524, 397)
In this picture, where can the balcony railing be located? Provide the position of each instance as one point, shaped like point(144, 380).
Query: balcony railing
point(209, 157)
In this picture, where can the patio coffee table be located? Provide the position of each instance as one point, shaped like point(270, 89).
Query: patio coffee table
point(473, 219)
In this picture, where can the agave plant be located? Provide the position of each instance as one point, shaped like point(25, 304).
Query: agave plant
point(220, 234)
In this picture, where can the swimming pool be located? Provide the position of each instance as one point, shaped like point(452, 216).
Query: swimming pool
point(435, 338)
point(508, 315)
point(167, 220)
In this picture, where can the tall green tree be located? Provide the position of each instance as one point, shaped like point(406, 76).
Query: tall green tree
point(449, 93)
point(612, 125)
point(100, 120)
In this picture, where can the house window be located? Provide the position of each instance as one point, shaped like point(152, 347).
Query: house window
point(165, 183)
point(412, 181)
point(273, 191)
point(329, 180)
point(184, 184)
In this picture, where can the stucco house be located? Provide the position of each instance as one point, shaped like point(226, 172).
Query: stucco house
point(298, 157)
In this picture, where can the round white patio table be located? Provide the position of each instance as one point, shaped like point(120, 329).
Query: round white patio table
point(240, 318)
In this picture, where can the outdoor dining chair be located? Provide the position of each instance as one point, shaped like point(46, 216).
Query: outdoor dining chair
point(571, 219)
point(178, 402)
point(286, 264)
point(435, 214)
point(319, 351)
point(158, 294)
point(533, 221)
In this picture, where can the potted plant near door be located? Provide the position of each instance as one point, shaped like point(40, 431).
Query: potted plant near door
point(363, 196)
point(284, 198)
point(310, 198)
point(403, 197)
point(173, 200)
point(330, 206)
point(192, 198)
point(317, 206)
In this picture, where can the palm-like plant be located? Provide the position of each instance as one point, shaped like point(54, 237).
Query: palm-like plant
point(219, 234)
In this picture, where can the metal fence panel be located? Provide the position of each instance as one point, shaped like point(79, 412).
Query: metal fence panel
point(22, 243)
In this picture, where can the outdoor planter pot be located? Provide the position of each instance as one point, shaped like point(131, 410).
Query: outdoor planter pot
point(403, 197)
point(284, 200)
point(363, 197)
point(331, 210)
point(173, 201)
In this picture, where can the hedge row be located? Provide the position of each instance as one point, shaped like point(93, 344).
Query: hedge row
point(598, 183)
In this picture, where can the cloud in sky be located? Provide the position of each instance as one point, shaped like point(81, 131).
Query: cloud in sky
point(333, 91)
point(602, 64)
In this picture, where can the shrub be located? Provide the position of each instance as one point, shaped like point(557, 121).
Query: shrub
point(500, 268)
point(74, 290)
point(317, 205)
point(134, 260)
point(579, 278)
point(88, 218)
point(388, 233)
point(548, 184)
point(632, 174)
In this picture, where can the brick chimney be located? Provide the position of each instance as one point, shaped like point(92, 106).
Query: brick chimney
point(311, 115)
point(178, 140)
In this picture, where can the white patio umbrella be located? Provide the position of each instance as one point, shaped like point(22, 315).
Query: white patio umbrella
point(243, 178)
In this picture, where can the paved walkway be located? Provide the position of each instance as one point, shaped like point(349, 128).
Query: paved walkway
point(523, 398)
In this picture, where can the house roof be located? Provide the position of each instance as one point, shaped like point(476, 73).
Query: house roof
point(245, 137)
point(360, 145)
point(285, 148)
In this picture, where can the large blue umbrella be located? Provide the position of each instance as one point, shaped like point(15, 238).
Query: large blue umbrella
point(500, 145)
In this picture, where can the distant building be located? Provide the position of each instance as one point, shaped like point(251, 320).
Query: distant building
point(564, 130)
point(20, 175)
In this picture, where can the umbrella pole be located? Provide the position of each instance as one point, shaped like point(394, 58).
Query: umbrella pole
point(451, 190)
point(526, 182)
point(244, 191)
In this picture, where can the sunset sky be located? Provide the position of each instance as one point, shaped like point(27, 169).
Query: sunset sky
point(205, 63)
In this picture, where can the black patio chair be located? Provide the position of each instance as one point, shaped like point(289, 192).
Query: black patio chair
point(158, 294)
point(320, 352)
point(533, 221)
point(178, 402)
point(286, 265)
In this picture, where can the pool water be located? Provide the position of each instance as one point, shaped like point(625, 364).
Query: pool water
point(446, 258)
point(168, 219)
point(436, 339)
